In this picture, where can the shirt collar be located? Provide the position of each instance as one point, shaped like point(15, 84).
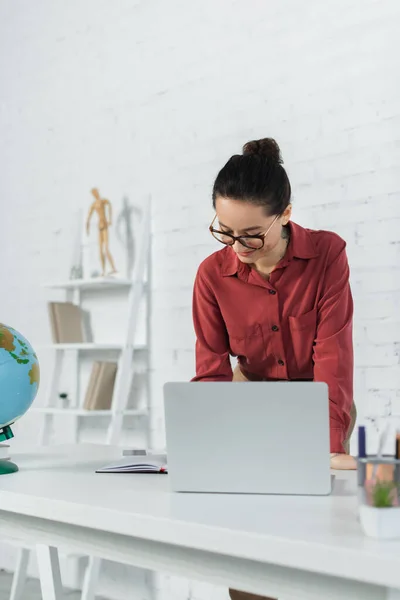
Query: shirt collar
point(301, 243)
point(301, 246)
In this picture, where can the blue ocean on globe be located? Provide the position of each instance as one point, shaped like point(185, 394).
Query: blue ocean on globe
point(19, 375)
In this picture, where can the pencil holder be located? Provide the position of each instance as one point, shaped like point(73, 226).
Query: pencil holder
point(379, 506)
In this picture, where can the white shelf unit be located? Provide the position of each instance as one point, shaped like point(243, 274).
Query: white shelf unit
point(126, 351)
point(136, 287)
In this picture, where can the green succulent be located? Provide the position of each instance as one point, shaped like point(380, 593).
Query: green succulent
point(384, 494)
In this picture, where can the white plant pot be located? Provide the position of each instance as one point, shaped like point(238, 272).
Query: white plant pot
point(382, 523)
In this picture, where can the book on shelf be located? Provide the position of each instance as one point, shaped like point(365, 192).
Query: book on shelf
point(100, 388)
point(66, 323)
point(152, 463)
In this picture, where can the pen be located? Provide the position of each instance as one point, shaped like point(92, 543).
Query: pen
point(361, 442)
point(361, 472)
point(397, 456)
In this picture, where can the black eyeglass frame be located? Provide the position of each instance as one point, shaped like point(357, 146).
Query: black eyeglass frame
point(239, 238)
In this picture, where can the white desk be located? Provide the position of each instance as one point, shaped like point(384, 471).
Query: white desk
point(286, 547)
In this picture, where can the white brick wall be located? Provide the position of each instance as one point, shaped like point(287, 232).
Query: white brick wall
point(138, 97)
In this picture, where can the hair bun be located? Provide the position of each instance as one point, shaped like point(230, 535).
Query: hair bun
point(266, 147)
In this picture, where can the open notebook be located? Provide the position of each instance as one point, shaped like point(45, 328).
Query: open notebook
point(152, 463)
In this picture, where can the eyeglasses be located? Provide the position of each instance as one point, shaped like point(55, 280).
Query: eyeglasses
point(253, 242)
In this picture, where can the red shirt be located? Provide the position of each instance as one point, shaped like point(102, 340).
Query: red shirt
point(297, 325)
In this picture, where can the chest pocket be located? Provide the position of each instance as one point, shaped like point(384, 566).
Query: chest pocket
point(303, 331)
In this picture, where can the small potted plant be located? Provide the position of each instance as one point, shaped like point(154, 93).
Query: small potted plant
point(380, 514)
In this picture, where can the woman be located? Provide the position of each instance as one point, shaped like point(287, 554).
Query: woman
point(277, 295)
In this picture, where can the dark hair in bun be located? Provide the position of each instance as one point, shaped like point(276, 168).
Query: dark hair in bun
point(256, 176)
point(266, 147)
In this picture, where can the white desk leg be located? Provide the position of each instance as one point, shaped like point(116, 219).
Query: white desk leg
point(91, 578)
point(20, 573)
point(49, 572)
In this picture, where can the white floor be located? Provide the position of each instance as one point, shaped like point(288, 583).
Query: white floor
point(32, 589)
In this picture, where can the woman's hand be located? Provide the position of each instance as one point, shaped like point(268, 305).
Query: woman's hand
point(343, 462)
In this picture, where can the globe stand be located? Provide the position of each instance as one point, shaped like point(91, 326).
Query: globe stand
point(6, 466)
point(6, 433)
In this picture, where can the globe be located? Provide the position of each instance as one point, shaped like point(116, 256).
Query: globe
point(19, 379)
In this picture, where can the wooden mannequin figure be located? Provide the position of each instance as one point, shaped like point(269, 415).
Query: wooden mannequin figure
point(100, 205)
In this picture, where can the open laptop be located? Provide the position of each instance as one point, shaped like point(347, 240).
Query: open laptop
point(250, 437)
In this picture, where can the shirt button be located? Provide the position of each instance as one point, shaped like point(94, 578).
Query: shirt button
point(275, 328)
point(272, 292)
point(281, 363)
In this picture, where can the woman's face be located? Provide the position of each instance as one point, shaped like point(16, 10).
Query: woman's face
point(243, 218)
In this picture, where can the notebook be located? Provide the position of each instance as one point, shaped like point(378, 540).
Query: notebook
point(153, 463)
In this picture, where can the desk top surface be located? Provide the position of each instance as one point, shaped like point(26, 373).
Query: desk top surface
point(319, 534)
